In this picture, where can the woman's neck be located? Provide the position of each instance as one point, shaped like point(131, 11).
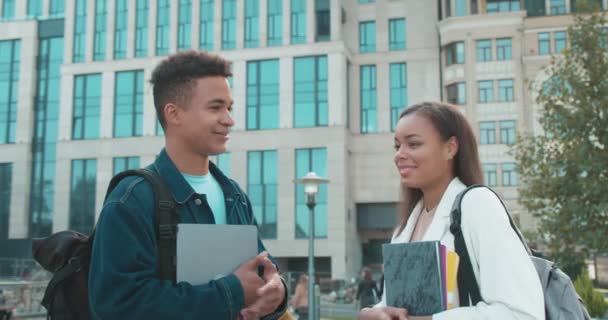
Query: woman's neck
point(432, 194)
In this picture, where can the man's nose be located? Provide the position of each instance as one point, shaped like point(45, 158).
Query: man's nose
point(227, 119)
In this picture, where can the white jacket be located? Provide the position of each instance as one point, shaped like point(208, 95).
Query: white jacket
point(509, 284)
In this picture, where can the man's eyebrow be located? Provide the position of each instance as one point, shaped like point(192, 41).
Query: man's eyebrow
point(220, 100)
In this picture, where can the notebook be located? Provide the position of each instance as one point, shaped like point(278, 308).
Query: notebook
point(207, 252)
point(414, 277)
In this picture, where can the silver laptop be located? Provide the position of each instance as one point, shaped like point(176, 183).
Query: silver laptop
point(207, 252)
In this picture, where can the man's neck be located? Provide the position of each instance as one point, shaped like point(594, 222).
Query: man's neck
point(187, 161)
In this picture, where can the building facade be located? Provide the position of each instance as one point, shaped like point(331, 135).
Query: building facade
point(318, 86)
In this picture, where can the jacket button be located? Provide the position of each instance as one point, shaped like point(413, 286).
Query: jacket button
point(197, 202)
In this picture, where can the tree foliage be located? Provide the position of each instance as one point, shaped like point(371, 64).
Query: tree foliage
point(564, 173)
point(593, 299)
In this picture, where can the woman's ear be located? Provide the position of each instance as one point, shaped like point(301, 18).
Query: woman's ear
point(451, 147)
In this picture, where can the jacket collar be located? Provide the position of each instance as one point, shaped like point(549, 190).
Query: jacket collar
point(180, 188)
point(441, 222)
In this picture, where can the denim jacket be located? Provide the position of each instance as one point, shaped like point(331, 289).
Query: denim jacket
point(123, 281)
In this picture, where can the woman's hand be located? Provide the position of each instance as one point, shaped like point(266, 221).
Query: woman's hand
point(383, 313)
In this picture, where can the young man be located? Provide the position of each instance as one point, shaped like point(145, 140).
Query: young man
point(193, 103)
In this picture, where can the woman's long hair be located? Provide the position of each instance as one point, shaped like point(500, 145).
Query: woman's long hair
point(449, 122)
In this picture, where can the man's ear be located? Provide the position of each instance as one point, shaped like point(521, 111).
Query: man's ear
point(451, 147)
point(172, 114)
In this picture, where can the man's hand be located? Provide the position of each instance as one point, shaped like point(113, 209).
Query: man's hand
point(383, 313)
point(269, 296)
point(250, 280)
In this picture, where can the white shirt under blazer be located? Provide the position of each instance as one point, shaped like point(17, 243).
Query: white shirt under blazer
point(509, 284)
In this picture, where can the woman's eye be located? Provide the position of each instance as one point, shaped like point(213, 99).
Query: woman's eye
point(397, 147)
point(414, 144)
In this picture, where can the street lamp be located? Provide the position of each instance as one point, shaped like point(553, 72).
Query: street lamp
point(311, 184)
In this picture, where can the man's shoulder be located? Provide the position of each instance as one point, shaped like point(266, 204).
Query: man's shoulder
point(131, 190)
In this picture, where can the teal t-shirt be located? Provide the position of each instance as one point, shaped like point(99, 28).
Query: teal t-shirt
point(208, 186)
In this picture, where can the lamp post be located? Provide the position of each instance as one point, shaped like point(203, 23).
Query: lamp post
point(311, 184)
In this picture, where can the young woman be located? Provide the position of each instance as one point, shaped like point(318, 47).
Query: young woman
point(436, 157)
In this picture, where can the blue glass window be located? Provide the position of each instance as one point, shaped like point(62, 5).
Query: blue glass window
point(461, 8)
point(82, 195)
point(507, 131)
point(396, 34)
point(509, 175)
point(454, 53)
point(121, 164)
point(308, 160)
point(323, 20)
point(34, 8)
point(368, 99)
point(275, 23)
point(559, 41)
point(128, 103)
point(367, 1)
point(398, 94)
point(263, 94)
point(159, 129)
point(184, 25)
point(162, 27)
point(99, 37)
point(367, 36)
point(252, 23)
point(457, 93)
point(80, 30)
point(6, 173)
point(505, 90)
point(558, 7)
point(298, 21)
point(87, 105)
point(487, 132)
point(489, 174)
point(544, 43)
point(8, 9)
point(485, 91)
point(503, 49)
point(9, 85)
point(141, 28)
point(228, 24)
point(484, 50)
point(42, 192)
point(495, 6)
point(206, 25)
point(262, 185)
point(310, 92)
point(57, 8)
point(120, 30)
point(222, 161)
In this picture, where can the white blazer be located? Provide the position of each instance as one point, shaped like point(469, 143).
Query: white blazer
point(509, 284)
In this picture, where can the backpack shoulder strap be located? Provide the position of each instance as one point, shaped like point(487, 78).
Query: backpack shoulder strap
point(467, 284)
point(166, 218)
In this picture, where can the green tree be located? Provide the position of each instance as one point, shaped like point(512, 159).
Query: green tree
point(593, 299)
point(564, 173)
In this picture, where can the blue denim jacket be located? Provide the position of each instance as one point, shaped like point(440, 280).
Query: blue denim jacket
point(123, 281)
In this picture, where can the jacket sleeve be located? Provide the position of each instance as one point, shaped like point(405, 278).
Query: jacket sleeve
point(283, 306)
point(508, 282)
point(123, 281)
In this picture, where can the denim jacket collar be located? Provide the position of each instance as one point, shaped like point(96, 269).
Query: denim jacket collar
point(181, 190)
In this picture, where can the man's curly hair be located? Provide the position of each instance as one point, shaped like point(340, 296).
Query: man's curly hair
point(175, 77)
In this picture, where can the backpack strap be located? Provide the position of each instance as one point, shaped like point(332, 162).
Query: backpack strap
point(167, 218)
point(468, 289)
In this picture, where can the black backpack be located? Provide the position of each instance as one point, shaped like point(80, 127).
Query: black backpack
point(561, 300)
point(67, 254)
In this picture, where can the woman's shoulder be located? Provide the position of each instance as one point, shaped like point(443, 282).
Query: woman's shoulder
point(482, 202)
